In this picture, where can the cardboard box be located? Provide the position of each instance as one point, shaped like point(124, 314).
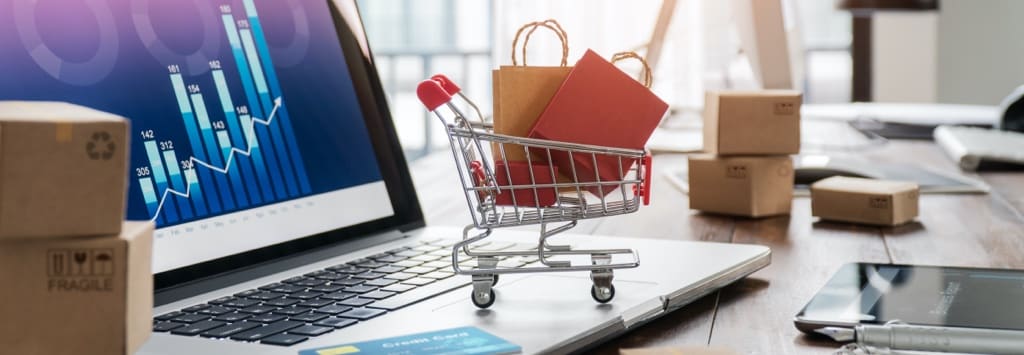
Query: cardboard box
point(876, 202)
point(63, 170)
point(743, 186)
point(85, 295)
point(752, 122)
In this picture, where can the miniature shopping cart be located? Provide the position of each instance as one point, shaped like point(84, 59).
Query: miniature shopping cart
point(533, 192)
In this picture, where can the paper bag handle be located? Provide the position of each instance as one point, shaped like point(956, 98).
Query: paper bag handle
point(550, 24)
point(647, 79)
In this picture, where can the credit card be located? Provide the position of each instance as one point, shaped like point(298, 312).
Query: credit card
point(455, 341)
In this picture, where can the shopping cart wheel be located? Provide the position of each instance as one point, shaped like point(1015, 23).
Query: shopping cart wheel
point(602, 294)
point(495, 282)
point(483, 300)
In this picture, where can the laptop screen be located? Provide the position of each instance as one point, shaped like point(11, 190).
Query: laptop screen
point(247, 129)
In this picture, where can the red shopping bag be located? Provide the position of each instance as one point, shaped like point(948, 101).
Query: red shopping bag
point(518, 182)
point(598, 104)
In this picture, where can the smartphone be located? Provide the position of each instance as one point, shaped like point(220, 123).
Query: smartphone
point(864, 293)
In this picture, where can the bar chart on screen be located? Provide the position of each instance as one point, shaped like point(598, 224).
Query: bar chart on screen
point(243, 156)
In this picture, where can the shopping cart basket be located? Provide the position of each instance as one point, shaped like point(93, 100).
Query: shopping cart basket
point(501, 194)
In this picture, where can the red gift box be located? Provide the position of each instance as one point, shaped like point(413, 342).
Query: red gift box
point(517, 173)
point(599, 104)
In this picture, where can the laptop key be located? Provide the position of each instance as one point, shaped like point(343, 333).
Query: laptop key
point(264, 296)
point(327, 288)
point(419, 270)
point(272, 286)
point(399, 249)
point(388, 269)
point(215, 310)
point(293, 279)
point(338, 296)
point(362, 313)
point(347, 269)
point(419, 281)
point(331, 276)
point(400, 276)
point(169, 316)
point(285, 288)
point(316, 302)
point(408, 253)
point(267, 318)
point(232, 317)
point(369, 275)
point(310, 282)
point(380, 282)
point(332, 309)
point(348, 282)
point(284, 339)
point(191, 318)
point(247, 293)
point(281, 302)
point(308, 317)
point(372, 264)
point(398, 288)
point(222, 300)
point(266, 331)
point(167, 326)
point(336, 322)
point(438, 275)
point(390, 259)
point(305, 295)
point(258, 309)
point(292, 311)
point(311, 330)
point(408, 263)
point(230, 329)
point(360, 289)
point(356, 302)
point(198, 327)
point(439, 264)
point(377, 295)
point(240, 303)
point(196, 308)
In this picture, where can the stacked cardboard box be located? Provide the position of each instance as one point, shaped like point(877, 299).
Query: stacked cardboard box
point(77, 277)
point(748, 137)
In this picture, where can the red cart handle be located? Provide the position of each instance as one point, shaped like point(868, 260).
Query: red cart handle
point(645, 189)
point(432, 95)
point(448, 85)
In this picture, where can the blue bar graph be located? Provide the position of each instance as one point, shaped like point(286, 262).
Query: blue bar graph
point(248, 156)
point(193, 135)
point(160, 177)
point(195, 191)
point(171, 162)
point(149, 195)
point(236, 135)
point(212, 152)
point(268, 65)
point(268, 105)
point(254, 105)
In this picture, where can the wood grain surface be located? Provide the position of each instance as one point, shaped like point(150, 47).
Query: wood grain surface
point(755, 315)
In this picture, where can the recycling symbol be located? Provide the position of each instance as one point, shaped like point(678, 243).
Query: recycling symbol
point(100, 146)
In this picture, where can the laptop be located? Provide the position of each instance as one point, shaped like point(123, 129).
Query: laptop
point(286, 217)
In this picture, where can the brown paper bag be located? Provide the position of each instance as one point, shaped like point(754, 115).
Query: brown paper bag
point(521, 92)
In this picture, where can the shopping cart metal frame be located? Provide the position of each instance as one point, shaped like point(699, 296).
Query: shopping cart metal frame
point(480, 187)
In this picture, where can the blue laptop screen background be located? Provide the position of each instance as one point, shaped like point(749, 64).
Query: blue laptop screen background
point(262, 84)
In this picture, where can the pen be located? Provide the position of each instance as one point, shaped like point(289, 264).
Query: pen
point(930, 338)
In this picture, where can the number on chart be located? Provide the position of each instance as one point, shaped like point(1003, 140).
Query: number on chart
point(147, 134)
point(166, 145)
point(173, 68)
point(243, 24)
point(218, 124)
point(214, 64)
point(142, 172)
point(193, 88)
point(187, 165)
point(226, 9)
point(242, 110)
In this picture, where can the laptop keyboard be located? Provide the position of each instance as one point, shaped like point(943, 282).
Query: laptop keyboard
point(297, 308)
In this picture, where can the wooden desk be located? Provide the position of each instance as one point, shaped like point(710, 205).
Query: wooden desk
point(755, 315)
